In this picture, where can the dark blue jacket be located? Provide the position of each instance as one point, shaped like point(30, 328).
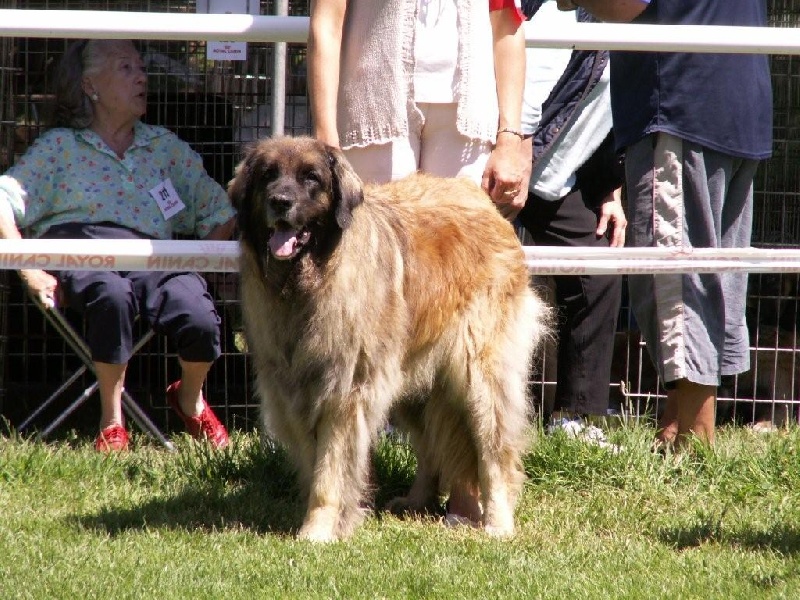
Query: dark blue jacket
point(603, 172)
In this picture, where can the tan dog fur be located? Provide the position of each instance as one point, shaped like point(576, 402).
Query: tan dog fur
point(410, 299)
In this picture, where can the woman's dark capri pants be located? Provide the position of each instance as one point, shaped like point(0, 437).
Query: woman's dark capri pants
point(176, 304)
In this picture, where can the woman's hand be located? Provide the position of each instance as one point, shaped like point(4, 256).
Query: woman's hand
point(41, 285)
point(507, 174)
point(503, 176)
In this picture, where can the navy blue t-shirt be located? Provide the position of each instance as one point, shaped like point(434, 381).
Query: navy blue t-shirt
point(720, 101)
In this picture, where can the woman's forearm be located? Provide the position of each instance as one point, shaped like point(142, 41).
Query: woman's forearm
point(222, 232)
point(509, 65)
point(324, 51)
point(8, 227)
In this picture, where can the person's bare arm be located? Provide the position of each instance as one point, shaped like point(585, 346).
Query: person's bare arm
point(324, 51)
point(618, 11)
point(41, 284)
point(222, 232)
point(509, 66)
point(504, 169)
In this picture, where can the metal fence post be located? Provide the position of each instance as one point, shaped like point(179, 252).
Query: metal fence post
point(279, 76)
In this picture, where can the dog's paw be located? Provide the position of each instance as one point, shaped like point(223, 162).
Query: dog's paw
point(399, 506)
point(499, 532)
point(320, 525)
point(499, 523)
point(319, 535)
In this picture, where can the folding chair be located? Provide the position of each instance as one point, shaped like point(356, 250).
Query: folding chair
point(134, 412)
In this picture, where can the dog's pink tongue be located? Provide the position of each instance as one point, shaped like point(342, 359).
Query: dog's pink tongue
point(282, 243)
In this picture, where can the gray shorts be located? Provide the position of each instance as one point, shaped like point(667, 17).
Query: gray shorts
point(683, 195)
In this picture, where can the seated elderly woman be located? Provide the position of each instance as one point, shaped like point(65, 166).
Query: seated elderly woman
point(102, 173)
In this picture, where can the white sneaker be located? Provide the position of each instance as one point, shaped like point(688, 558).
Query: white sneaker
point(577, 429)
point(572, 428)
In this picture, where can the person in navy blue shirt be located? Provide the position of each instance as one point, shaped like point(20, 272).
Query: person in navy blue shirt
point(693, 127)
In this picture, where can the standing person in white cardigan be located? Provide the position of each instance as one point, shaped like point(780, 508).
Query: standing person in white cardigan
point(430, 85)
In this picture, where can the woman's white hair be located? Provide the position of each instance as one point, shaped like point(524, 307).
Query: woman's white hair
point(72, 106)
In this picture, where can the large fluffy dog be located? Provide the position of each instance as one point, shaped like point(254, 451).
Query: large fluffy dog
point(411, 297)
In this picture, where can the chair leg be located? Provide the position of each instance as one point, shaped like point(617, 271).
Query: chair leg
point(70, 409)
point(51, 398)
point(138, 416)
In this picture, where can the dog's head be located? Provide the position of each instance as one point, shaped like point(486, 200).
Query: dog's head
point(293, 195)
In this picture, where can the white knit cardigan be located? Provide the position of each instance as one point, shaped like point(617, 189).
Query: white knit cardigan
point(376, 92)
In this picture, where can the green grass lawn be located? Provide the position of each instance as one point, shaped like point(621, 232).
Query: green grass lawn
point(591, 524)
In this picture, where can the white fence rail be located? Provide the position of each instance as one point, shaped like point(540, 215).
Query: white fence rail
point(186, 255)
point(249, 28)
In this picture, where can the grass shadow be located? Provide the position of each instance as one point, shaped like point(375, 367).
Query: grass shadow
point(251, 487)
point(196, 509)
point(781, 538)
point(248, 485)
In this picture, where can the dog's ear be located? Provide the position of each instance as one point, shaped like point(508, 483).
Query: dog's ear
point(237, 187)
point(348, 191)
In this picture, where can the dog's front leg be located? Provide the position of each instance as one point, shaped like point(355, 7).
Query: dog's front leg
point(498, 502)
point(340, 474)
point(499, 444)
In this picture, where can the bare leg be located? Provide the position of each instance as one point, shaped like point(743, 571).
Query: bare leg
point(696, 406)
point(190, 396)
point(110, 381)
point(668, 423)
